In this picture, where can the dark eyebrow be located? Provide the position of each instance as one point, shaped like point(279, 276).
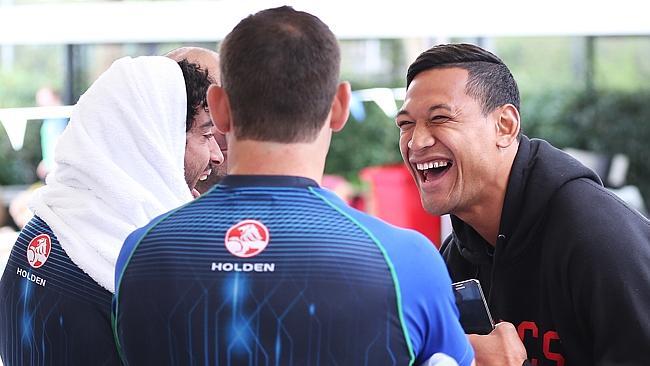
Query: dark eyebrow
point(432, 108)
point(206, 124)
point(401, 113)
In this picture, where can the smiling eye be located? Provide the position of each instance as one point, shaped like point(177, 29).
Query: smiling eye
point(439, 119)
point(403, 123)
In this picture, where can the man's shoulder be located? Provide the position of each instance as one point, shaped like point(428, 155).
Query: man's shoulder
point(586, 220)
point(37, 226)
point(397, 243)
point(40, 258)
point(583, 201)
point(389, 233)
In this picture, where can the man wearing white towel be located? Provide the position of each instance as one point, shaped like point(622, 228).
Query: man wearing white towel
point(209, 61)
point(119, 163)
point(201, 145)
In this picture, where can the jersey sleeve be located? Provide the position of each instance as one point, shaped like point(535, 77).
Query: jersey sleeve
point(428, 308)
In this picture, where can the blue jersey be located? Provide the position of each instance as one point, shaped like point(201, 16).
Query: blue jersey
point(273, 270)
point(51, 312)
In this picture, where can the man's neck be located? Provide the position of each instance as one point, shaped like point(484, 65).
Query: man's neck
point(250, 157)
point(485, 219)
point(485, 215)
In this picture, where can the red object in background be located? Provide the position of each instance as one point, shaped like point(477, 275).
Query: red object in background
point(394, 197)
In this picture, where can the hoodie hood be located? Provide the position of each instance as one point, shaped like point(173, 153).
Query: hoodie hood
point(538, 172)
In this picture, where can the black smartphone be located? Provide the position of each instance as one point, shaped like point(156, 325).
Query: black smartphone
point(474, 313)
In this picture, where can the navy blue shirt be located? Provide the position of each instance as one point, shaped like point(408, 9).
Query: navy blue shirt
point(274, 270)
point(51, 312)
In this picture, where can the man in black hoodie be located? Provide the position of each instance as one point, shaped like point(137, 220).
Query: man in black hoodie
point(558, 255)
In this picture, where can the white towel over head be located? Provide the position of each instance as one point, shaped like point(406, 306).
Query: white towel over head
point(119, 163)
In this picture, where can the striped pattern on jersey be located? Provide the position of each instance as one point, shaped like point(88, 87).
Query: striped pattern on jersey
point(55, 314)
point(329, 300)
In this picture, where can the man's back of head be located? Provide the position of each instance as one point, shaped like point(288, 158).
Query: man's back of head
point(280, 70)
point(265, 268)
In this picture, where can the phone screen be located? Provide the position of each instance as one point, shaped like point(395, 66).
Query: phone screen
point(474, 314)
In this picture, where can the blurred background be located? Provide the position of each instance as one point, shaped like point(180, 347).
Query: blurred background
point(583, 69)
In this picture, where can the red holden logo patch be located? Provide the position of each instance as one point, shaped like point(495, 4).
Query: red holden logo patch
point(247, 238)
point(38, 250)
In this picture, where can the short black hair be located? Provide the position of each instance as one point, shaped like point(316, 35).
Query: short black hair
point(489, 80)
point(197, 82)
point(280, 70)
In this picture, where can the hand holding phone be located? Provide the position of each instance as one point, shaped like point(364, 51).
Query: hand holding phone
point(501, 347)
point(475, 316)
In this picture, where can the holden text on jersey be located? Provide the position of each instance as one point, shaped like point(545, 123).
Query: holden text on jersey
point(243, 267)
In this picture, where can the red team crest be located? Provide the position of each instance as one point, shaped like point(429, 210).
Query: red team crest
point(38, 250)
point(247, 238)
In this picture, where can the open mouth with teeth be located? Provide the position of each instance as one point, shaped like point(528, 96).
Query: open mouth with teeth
point(205, 175)
point(433, 169)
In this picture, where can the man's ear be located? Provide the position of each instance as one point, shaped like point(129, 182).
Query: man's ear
point(508, 125)
point(340, 107)
point(219, 107)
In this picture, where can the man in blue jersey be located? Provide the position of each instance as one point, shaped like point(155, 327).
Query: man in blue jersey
point(119, 164)
point(269, 268)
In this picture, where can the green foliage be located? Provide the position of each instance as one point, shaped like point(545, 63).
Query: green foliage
point(545, 116)
point(373, 141)
point(606, 122)
point(540, 63)
point(622, 63)
point(34, 67)
point(18, 88)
